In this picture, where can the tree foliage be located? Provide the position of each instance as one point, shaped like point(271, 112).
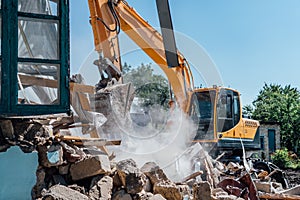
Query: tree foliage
point(247, 110)
point(285, 159)
point(281, 104)
point(152, 88)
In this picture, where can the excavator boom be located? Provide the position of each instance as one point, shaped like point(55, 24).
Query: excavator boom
point(216, 111)
point(145, 36)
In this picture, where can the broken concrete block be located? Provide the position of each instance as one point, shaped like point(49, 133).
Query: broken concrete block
point(157, 197)
point(130, 176)
point(121, 195)
point(102, 189)
point(135, 182)
point(63, 193)
point(202, 191)
point(263, 186)
point(154, 172)
point(168, 190)
point(90, 167)
point(70, 153)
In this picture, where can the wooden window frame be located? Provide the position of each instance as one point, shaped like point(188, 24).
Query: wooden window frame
point(9, 69)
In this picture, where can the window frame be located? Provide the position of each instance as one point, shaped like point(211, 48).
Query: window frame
point(9, 38)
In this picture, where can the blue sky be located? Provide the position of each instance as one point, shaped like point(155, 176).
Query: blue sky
point(250, 42)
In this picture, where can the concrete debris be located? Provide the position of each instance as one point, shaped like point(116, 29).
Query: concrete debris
point(168, 190)
point(154, 173)
point(102, 189)
point(202, 190)
point(71, 167)
point(121, 97)
point(63, 193)
point(90, 167)
point(130, 175)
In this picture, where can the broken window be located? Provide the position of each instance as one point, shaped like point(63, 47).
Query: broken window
point(37, 63)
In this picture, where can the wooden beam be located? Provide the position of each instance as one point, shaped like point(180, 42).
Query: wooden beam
point(75, 87)
point(33, 80)
point(88, 141)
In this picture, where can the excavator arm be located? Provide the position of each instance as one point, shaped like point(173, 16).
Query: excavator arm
point(107, 15)
point(216, 111)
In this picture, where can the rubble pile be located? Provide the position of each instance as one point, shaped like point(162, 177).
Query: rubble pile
point(67, 171)
point(74, 168)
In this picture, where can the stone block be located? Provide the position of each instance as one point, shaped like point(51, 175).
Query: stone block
point(130, 176)
point(63, 193)
point(90, 167)
point(263, 186)
point(102, 189)
point(202, 191)
point(168, 190)
point(154, 172)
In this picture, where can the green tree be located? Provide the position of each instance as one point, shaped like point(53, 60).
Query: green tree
point(276, 103)
point(247, 110)
point(152, 88)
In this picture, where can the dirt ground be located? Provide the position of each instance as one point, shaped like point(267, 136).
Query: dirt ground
point(293, 177)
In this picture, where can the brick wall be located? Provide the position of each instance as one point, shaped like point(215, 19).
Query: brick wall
point(264, 129)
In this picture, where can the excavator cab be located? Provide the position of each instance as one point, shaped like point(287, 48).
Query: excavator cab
point(216, 113)
point(217, 110)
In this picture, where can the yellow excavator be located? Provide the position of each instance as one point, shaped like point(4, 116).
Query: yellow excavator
point(216, 111)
